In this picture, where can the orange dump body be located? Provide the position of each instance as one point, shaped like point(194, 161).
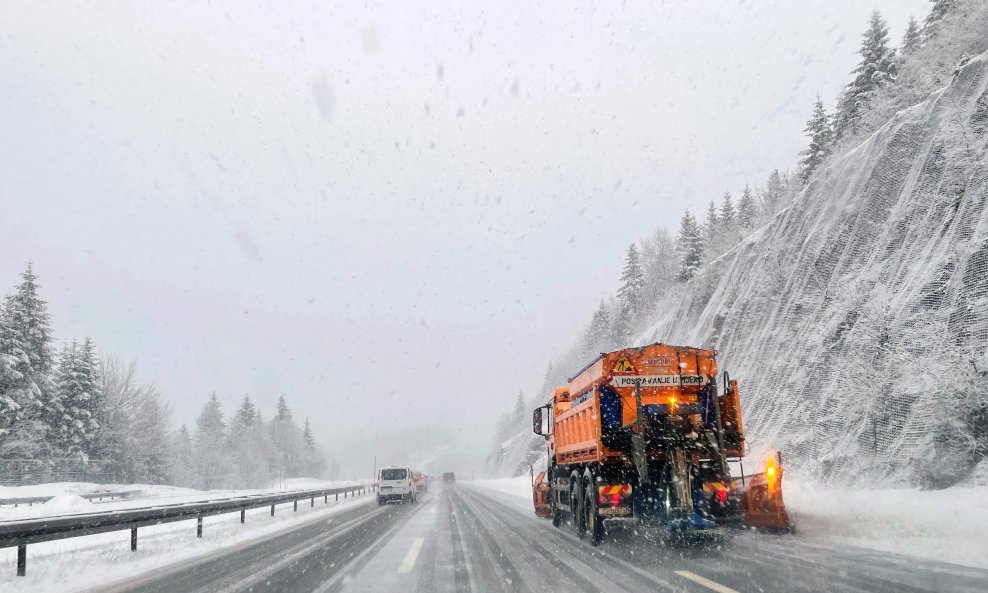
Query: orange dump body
point(669, 376)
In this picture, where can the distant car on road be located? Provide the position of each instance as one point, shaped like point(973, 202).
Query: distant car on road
point(395, 483)
point(421, 483)
point(449, 478)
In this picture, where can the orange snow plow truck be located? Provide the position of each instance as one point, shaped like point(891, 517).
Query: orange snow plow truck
point(644, 435)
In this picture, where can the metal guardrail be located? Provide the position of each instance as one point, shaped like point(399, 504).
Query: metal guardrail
point(33, 500)
point(22, 532)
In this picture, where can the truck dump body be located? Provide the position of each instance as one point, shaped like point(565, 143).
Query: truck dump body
point(601, 399)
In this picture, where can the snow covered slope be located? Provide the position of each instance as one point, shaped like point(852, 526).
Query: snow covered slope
point(857, 320)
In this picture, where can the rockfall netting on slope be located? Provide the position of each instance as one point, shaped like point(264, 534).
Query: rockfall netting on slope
point(857, 320)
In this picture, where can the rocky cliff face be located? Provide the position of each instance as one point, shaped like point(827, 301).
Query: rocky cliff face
point(857, 320)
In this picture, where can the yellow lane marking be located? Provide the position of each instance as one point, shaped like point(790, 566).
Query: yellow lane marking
point(713, 586)
point(413, 553)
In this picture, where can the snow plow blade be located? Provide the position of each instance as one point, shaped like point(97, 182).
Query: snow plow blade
point(540, 495)
point(760, 499)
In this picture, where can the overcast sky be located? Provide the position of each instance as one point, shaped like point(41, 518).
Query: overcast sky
point(391, 214)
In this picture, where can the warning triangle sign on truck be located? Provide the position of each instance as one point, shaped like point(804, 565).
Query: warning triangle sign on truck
point(623, 366)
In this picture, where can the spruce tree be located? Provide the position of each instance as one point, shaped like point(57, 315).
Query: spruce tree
point(727, 212)
point(90, 398)
point(28, 313)
point(689, 246)
point(285, 440)
point(246, 414)
point(307, 437)
point(26, 363)
point(180, 454)
point(912, 37)
point(821, 138)
point(939, 10)
point(620, 330)
point(747, 211)
point(598, 331)
point(283, 413)
point(711, 226)
point(314, 462)
point(249, 446)
point(59, 423)
point(68, 417)
point(210, 453)
point(631, 293)
point(773, 196)
point(877, 66)
point(518, 413)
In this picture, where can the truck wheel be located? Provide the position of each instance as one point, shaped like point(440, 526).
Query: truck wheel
point(554, 512)
point(595, 527)
point(557, 515)
point(576, 506)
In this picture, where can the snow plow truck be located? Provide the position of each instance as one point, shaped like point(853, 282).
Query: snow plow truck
point(644, 435)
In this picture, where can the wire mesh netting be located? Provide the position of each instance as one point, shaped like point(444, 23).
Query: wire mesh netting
point(858, 318)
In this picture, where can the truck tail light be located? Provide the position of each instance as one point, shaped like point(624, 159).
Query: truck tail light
point(612, 495)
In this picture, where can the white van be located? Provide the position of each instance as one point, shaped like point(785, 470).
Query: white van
point(395, 483)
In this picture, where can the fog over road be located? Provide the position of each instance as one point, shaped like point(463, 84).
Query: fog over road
point(461, 539)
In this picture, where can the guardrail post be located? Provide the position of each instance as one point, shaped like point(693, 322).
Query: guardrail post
point(325, 499)
point(243, 515)
point(344, 494)
point(272, 510)
point(337, 497)
point(296, 505)
point(133, 539)
point(199, 526)
point(21, 560)
point(312, 502)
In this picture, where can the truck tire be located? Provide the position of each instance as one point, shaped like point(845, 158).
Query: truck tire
point(557, 515)
point(595, 527)
point(576, 506)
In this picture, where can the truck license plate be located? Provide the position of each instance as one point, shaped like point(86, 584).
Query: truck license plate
point(614, 512)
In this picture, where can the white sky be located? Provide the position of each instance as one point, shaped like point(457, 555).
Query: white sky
point(392, 214)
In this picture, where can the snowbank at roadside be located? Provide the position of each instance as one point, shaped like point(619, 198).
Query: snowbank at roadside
point(944, 525)
point(94, 561)
point(56, 488)
point(520, 486)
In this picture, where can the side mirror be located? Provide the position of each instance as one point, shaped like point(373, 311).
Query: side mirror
point(537, 421)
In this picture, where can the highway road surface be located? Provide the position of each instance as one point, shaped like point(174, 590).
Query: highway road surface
point(463, 539)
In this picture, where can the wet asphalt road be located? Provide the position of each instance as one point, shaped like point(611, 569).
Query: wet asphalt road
point(460, 539)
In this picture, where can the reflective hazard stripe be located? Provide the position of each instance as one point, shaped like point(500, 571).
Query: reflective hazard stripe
point(622, 489)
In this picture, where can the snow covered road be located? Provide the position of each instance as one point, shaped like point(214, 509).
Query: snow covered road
point(469, 539)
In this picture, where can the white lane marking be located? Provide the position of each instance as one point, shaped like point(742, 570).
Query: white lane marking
point(713, 586)
point(410, 557)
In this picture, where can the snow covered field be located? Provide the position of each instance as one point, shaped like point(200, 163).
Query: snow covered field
point(945, 525)
point(79, 563)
